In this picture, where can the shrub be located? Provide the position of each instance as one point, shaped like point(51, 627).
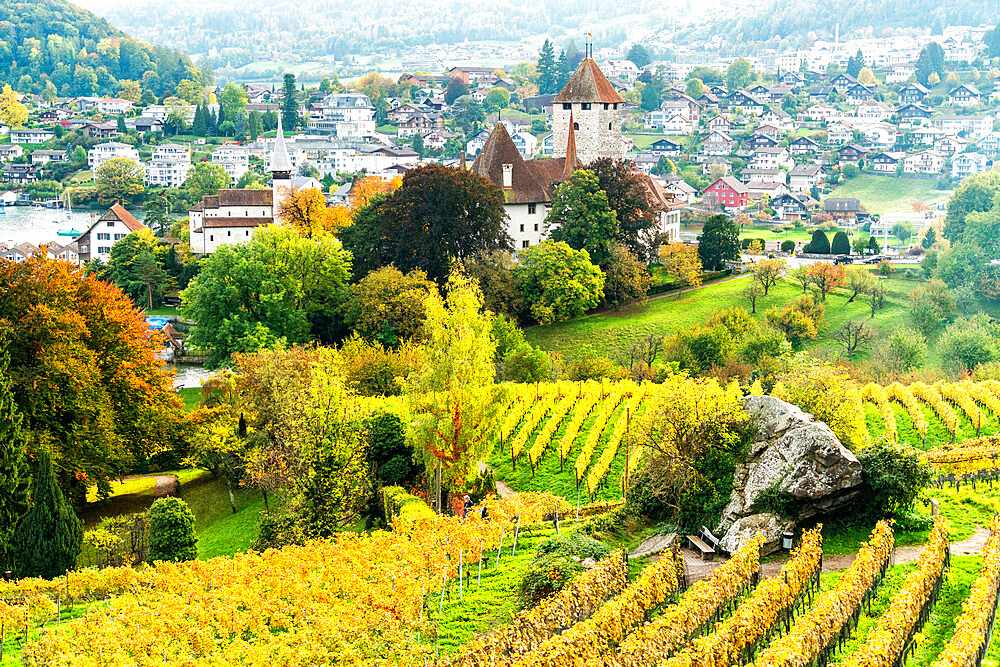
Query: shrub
point(819, 244)
point(556, 562)
point(590, 368)
point(171, 531)
point(388, 452)
point(788, 245)
point(526, 364)
point(894, 476)
point(279, 529)
point(398, 503)
point(117, 540)
point(841, 244)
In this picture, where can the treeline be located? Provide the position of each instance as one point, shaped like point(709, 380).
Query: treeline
point(55, 48)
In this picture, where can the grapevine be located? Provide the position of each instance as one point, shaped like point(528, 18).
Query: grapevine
point(906, 398)
point(594, 436)
point(551, 426)
point(600, 468)
point(930, 395)
point(580, 414)
point(878, 396)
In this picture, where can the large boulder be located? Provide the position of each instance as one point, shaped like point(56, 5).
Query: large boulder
point(796, 455)
point(745, 528)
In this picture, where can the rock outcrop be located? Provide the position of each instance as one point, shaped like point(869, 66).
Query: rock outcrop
point(796, 456)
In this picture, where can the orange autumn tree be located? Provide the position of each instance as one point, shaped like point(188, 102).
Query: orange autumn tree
point(826, 276)
point(306, 211)
point(369, 186)
point(84, 373)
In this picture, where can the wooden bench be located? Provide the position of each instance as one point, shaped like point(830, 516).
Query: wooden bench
point(705, 543)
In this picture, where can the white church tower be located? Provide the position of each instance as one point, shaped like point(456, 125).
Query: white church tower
point(281, 172)
point(594, 107)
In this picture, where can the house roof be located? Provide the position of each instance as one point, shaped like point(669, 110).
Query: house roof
point(842, 205)
point(805, 170)
point(525, 187)
point(279, 159)
point(732, 183)
point(243, 197)
point(969, 87)
point(236, 222)
point(588, 84)
point(117, 211)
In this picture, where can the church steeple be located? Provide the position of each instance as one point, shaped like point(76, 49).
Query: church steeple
point(281, 172)
point(280, 161)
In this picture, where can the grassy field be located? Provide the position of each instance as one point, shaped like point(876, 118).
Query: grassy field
point(608, 333)
point(191, 397)
point(890, 194)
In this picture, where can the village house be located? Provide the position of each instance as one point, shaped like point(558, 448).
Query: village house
point(114, 105)
point(419, 123)
point(791, 79)
point(727, 192)
point(913, 93)
point(718, 143)
point(20, 174)
point(859, 93)
point(990, 144)
point(67, 253)
point(46, 156)
point(885, 162)
point(716, 166)
point(111, 150)
point(720, 123)
point(745, 103)
point(525, 143)
point(925, 162)
point(820, 93)
point(793, 206)
point(10, 151)
point(30, 136)
point(803, 177)
point(964, 95)
point(948, 146)
point(625, 69)
point(763, 175)
point(843, 81)
point(804, 146)
point(17, 253)
point(113, 226)
point(967, 164)
point(873, 110)
point(913, 113)
point(769, 131)
point(975, 127)
point(683, 106)
point(845, 210)
point(344, 116)
point(926, 136)
point(761, 141)
point(668, 122)
point(839, 133)
point(679, 188)
point(851, 154)
point(879, 135)
point(667, 147)
point(821, 111)
point(235, 159)
point(770, 157)
point(779, 118)
point(760, 189)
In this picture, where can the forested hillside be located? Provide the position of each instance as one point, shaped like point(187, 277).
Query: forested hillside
point(45, 41)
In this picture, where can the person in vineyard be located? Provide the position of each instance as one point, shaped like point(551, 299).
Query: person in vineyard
point(467, 505)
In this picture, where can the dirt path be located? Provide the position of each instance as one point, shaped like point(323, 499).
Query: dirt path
point(166, 485)
point(699, 569)
point(504, 490)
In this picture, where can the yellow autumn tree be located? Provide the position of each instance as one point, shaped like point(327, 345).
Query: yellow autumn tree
point(368, 187)
point(867, 77)
point(306, 211)
point(12, 112)
point(682, 262)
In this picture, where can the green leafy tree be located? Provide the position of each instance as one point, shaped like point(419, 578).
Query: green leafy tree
point(819, 244)
point(119, 180)
point(387, 305)
point(639, 55)
point(526, 364)
point(558, 282)
point(739, 75)
point(694, 88)
point(205, 178)
point(582, 217)
point(976, 194)
point(279, 287)
point(136, 267)
point(719, 242)
point(49, 537)
point(855, 63)
point(454, 396)
point(171, 531)
point(289, 103)
point(438, 214)
point(232, 102)
point(14, 472)
point(650, 97)
point(930, 236)
point(968, 343)
point(455, 89)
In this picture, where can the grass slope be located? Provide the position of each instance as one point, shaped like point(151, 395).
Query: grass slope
point(890, 194)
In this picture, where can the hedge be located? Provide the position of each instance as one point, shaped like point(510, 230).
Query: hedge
point(398, 503)
point(673, 285)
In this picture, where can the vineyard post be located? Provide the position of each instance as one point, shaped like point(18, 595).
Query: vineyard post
point(461, 581)
point(437, 621)
point(479, 576)
point(516, 532)
point(500, 547)
point(578, 504)
point(3, 631)
point(628, 446)
point(58, 610)
point(555, 504)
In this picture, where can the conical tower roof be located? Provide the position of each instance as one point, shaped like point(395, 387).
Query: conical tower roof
point(588, 84)
point(280, 162)
point(571, 163)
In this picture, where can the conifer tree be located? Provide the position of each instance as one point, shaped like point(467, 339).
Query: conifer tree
point(49, 537)
point(14, 473)
point(547, 72)
point(199, 127)
point(289, 104)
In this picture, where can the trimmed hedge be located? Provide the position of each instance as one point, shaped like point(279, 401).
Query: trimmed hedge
point(673, 285)
point(397, 502)
point(819, 245)
point(841, 244)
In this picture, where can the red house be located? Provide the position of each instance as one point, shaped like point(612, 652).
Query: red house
point(728, 192)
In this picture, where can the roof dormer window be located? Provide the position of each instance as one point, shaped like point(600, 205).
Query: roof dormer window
point(567, 106)
point(585, 106)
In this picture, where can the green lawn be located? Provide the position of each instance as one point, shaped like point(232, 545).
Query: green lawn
point(191, 397)
point(890, 194)
point(609, 333)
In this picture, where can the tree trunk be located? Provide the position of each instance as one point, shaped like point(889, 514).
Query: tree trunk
point(229, 488)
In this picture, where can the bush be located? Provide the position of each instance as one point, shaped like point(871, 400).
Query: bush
point(556, 561)
point(841, 244)
point(398, 503)
point(388, 452)
point(117, 540)
point(788, 245)
point(279, 529)
point(590, 368)
point(894, 476)
point(819, 244)
point(526, 364)
point(171, 531)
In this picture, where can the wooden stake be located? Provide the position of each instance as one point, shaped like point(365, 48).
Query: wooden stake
point(479, 575)
point(555, 504)
point(461, 590)
point(517, 531)
point(500, 547)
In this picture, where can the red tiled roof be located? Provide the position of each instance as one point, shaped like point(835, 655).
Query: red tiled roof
point(499, 150)
point(588, 84)
point(118, 211)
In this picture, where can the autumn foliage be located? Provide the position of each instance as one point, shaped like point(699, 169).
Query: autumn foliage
point(84, 372)
point(368, 187)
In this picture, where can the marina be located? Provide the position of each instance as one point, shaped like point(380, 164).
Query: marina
point(37, 225)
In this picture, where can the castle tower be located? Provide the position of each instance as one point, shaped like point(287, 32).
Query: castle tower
point(593, 108)
point(281, 171)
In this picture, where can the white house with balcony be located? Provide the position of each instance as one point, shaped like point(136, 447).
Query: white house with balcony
point(968, 164)
point(111, 150)
point(169, 165)
point(345, 116)
point(925, 162)
point(234, 159)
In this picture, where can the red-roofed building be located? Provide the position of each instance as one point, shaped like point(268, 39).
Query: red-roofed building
point(113, 226)
point(727, 192)
point(596, 111)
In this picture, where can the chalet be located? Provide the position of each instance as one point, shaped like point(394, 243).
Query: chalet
point(851, 154)
point(843, 82)
point(912, 111)
point(821, 93)
point(113, 226)
point(803, 177)
point(967, 164)
point(539, 103)
point(926, 136)
point(476, 143)
point(838, 133)
point(859, 93)
point(779, 118)
point(879, 135)
point(728, 193)
point(68, 253)
point(100, 130)
point(669, 122)
point(791, 79)
point(768, 131)
point(793, 206)
point(763, 175)
point(468, 75)
point(925, 162)
point(872, 110)
point(44, 157)
point(666, 147)
point(20, 173)
point(682, 106)
point(745, 103)
point(720, 123)
point(144, 124)
point(990, 144)
point(772, 94)
point(762, 189)
point(770, 157)
point(762, 141)
point(718, 91)
point(425, 80)
point(843, 209)
point(718, 143)
point(404, 111)
point(10, 151)
point(679, 188)
point(18, 253)
point(625, 69)
point(964, 95)
point(948, 145)
point(421, 123)
point(52, 115)
point(821, 111)
point(885, 162)
point(30, 136)
point(708, 101)
point(913, 93)
point(804, 146)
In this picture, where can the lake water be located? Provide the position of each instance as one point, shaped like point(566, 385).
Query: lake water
point(20, 224)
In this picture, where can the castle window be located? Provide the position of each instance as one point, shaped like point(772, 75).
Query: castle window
point(616, 106)
point(606, 106)
point(585, 106)
point(525, 244)
point(576, 126)
point(522, 228)
point(609, 126)
point(531, 209)
point(536, 226)
point(567, 106)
